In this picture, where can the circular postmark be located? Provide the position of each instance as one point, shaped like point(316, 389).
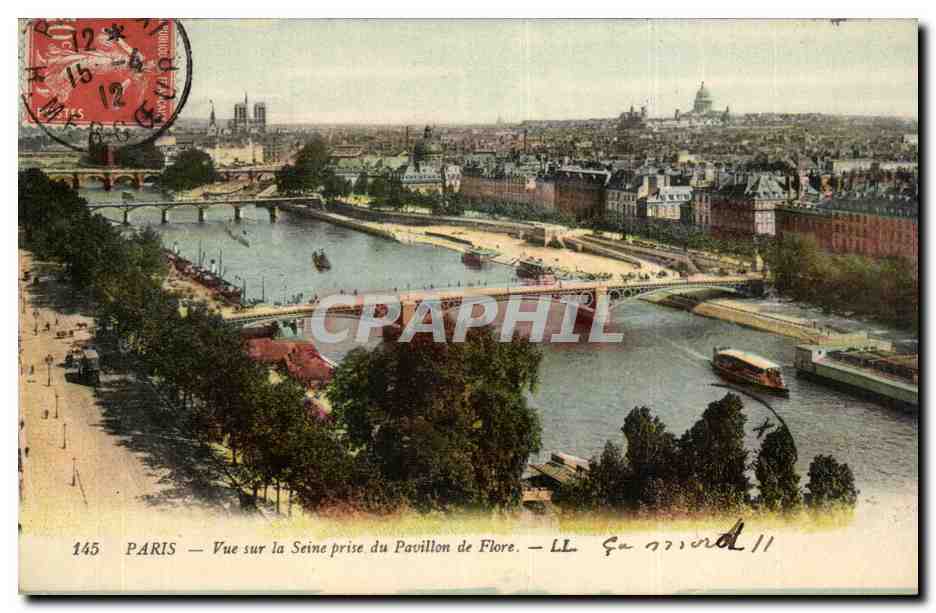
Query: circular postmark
point(95, 85)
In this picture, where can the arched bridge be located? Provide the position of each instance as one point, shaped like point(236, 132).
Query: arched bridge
point(586, 294)
point(270, 204)
point(137, 177)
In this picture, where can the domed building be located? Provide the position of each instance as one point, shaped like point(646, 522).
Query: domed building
point(703, 101)
point(703, 111)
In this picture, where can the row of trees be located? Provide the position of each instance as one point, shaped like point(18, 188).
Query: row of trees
point(419, 425)
point(687, 236)
point(520, 211)
point(388, 191)
point(705, 470)
point(885, 289)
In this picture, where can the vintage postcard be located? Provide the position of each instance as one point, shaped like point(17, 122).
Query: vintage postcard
point(468, 307)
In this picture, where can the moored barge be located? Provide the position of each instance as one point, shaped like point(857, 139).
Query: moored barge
point(476, 256)
point(874, 371)
point(535, 270)
point(205, 277)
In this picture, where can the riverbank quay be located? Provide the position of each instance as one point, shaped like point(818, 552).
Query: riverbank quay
point(341, 220)
point(587, 245)
point(510, 240)
point(750, 316)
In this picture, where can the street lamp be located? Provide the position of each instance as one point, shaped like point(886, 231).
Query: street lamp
point(48, 360)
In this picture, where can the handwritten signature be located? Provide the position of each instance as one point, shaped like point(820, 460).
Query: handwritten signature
point(728, 541)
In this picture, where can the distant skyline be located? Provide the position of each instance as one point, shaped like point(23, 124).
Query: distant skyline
point(450, 71)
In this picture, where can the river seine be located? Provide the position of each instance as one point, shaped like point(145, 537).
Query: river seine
point(585, 391)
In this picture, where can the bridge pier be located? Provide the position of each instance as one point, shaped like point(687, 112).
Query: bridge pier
point(237, 214)
point(586, 313)
point(108, 183)
point(393, 331)
point(274, 213)
point(126, 216)
point(165, 216)
point(76, 181)
point(201, 214)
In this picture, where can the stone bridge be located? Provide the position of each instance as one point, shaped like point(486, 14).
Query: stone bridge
point(270, 204)
point(136, 177)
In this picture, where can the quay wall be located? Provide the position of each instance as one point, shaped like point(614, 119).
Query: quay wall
point(663, 258)
point(754, 320)
point(769, 323)
point(422, 219)
point(339, 221)
point(606, 252)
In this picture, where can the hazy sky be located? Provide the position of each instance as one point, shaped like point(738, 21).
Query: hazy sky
point(464, 71)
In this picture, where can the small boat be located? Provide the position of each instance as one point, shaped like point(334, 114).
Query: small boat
point(321, 262)
point(532, 268)
point(749, 369)
point(240, 237)
point(476, 256)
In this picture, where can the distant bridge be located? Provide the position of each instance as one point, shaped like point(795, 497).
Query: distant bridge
point(270, 204)
point(136, 177)
point(586, 294)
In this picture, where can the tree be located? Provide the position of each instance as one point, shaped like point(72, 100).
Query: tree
point(830, 484)
point(191, 169)
point(775, 469)
point(360, 184)
point(334, 186)
point(448, 423)
point(47, 210)
point(886, 289)
point(310, 170)
point(287, 180)
point(394, 196)
point(378, 188)
point(651, 454)
point(605, 485)
point(137, 156)
point(713, 459)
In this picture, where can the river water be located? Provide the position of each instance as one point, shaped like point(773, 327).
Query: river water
point(586, 390)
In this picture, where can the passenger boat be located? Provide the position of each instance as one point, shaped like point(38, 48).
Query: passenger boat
point(476, 256)
point(321, 262)
point(750, 369)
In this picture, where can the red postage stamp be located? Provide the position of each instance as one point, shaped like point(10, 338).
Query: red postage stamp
point(119, 72)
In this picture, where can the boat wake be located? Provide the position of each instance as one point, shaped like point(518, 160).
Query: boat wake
point(688, 351)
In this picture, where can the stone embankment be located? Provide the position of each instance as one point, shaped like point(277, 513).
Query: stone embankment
point(750, 316)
